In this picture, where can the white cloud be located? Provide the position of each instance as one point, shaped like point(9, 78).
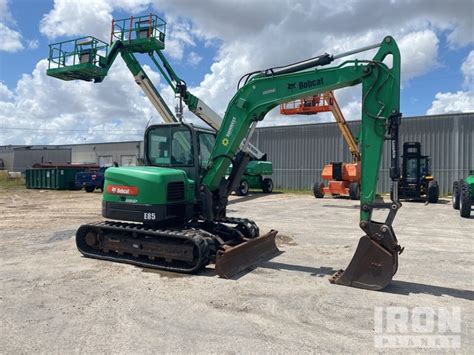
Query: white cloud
point(249, 35)
point(10, 39)
point(33, 44)
point(77, 18)
point(460, 101)
point(419, 52)
point(5, 14)
point(5, 94)
point(85, 17)
point(113, 110)
point(449, 102)
point(467, 69)
point(264, 38)
point(194, 58)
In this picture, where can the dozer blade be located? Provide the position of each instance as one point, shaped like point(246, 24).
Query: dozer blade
point(235, 259)
point(372, 267)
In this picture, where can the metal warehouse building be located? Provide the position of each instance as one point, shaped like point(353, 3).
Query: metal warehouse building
point(298, 152)
point(20, 158)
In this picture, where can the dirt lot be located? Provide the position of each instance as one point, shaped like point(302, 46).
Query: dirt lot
point(54, 300)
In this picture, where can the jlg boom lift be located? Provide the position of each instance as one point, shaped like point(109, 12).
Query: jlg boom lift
point(175, 207)
point(343, 178)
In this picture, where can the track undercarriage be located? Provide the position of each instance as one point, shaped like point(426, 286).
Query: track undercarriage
point(232, 244)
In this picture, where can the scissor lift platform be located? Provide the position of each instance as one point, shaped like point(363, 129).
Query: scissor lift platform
point(89, 59)
point(82, 58)
point(141, 34)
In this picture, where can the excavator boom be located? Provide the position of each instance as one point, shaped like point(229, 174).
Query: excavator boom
point(180, 201)
point(376, 259)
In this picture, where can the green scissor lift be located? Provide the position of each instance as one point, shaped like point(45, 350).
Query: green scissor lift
point(88, 58)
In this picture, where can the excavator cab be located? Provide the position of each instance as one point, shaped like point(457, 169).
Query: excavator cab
point(164, 190)
point(164, 197)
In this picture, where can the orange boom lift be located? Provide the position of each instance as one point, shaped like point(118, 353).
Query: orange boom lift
point(343, 178)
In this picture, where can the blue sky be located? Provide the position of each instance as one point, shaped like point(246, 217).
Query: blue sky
point(436, 46)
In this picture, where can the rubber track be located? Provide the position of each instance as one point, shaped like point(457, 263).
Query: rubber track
point(182, 236)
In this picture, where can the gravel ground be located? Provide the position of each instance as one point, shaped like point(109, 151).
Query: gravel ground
point(53, 300)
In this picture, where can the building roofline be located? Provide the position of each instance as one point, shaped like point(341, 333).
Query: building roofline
point(63, 146)
point(358, 121)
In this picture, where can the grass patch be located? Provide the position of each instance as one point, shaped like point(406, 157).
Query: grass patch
point(294, 191)
point(8, 184)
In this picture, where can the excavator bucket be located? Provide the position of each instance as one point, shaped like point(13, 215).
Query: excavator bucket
point(372, 267)
point(235, 259)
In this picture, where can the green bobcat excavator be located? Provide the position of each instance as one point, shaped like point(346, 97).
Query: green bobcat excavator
point(175, 207)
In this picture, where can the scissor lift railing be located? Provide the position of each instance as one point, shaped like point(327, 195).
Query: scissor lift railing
point(82, 58)
point(141, 34)
point(308, 105)
point(87, 58)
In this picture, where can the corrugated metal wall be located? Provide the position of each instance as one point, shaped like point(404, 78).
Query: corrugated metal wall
point(7, 157)
point(300, 152)
point(97, 152)
point(24, 158)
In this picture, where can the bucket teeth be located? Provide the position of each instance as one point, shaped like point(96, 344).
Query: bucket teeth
point(235, 259)
point(372, 267)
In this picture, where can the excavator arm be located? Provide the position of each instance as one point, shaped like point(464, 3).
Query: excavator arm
point(375, 261)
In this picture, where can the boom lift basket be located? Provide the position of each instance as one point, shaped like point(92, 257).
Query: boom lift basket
point(82, 58)
point(308, 105)
point(141, 34)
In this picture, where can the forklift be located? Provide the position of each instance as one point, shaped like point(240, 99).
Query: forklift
point(416, 181)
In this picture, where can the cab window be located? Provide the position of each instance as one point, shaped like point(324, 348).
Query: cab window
point(206, 143)
point(170, 146)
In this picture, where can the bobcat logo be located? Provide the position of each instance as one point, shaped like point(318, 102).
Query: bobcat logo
point(291, 86)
